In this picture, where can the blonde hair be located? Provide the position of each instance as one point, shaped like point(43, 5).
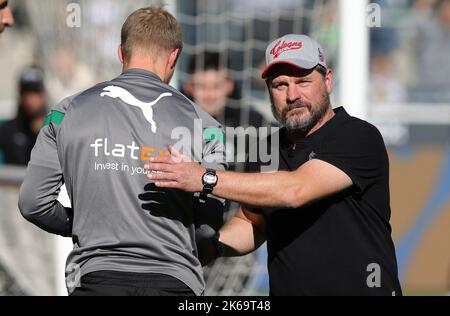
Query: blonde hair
point(150, 29)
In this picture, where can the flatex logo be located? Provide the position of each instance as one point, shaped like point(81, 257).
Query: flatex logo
point(146, 108)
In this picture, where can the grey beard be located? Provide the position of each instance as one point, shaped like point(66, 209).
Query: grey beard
point(306, 124)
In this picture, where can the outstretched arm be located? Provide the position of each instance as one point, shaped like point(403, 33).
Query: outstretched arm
point(314, 180)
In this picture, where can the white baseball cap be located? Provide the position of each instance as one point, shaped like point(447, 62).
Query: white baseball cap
point(297, 50)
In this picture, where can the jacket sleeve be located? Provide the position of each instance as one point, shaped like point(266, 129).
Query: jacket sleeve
point(39, 192)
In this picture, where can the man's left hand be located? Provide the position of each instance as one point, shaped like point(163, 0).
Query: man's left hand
point(176, 172)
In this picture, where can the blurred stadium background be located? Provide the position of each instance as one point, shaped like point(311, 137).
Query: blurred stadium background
point(395, 76)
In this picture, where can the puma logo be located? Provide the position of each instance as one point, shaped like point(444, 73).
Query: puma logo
point(117, 92)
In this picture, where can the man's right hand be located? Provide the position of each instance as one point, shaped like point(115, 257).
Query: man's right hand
point(176, 172)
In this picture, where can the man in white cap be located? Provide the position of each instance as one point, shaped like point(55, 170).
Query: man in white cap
point(325, 214)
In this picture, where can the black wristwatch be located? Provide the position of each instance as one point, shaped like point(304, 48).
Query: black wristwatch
point(209, 180)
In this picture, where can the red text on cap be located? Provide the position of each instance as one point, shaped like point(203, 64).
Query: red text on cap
point(282, 47)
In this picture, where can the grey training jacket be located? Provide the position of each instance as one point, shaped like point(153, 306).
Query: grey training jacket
point(97, 143)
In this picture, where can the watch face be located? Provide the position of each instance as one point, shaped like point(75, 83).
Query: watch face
point(210, 178)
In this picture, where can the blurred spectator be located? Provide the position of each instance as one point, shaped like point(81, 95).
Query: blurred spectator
point(209, 87)
point(384, 39)
point(69, 75)
point(434, 68)
point(420, 13)
point(423, 9)
point(425, 50)
point(6, 17)
point(101, 14)
point(384, 86)
point(17, 137)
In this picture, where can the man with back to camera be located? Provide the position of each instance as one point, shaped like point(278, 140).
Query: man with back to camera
point(6, 17)
point(130, 238)
point(325, 214)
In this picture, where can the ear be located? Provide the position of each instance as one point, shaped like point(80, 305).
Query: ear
point(120, 54)
point(329, 80)
point(173, 58)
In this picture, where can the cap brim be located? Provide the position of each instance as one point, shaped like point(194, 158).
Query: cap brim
point(298, 63)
